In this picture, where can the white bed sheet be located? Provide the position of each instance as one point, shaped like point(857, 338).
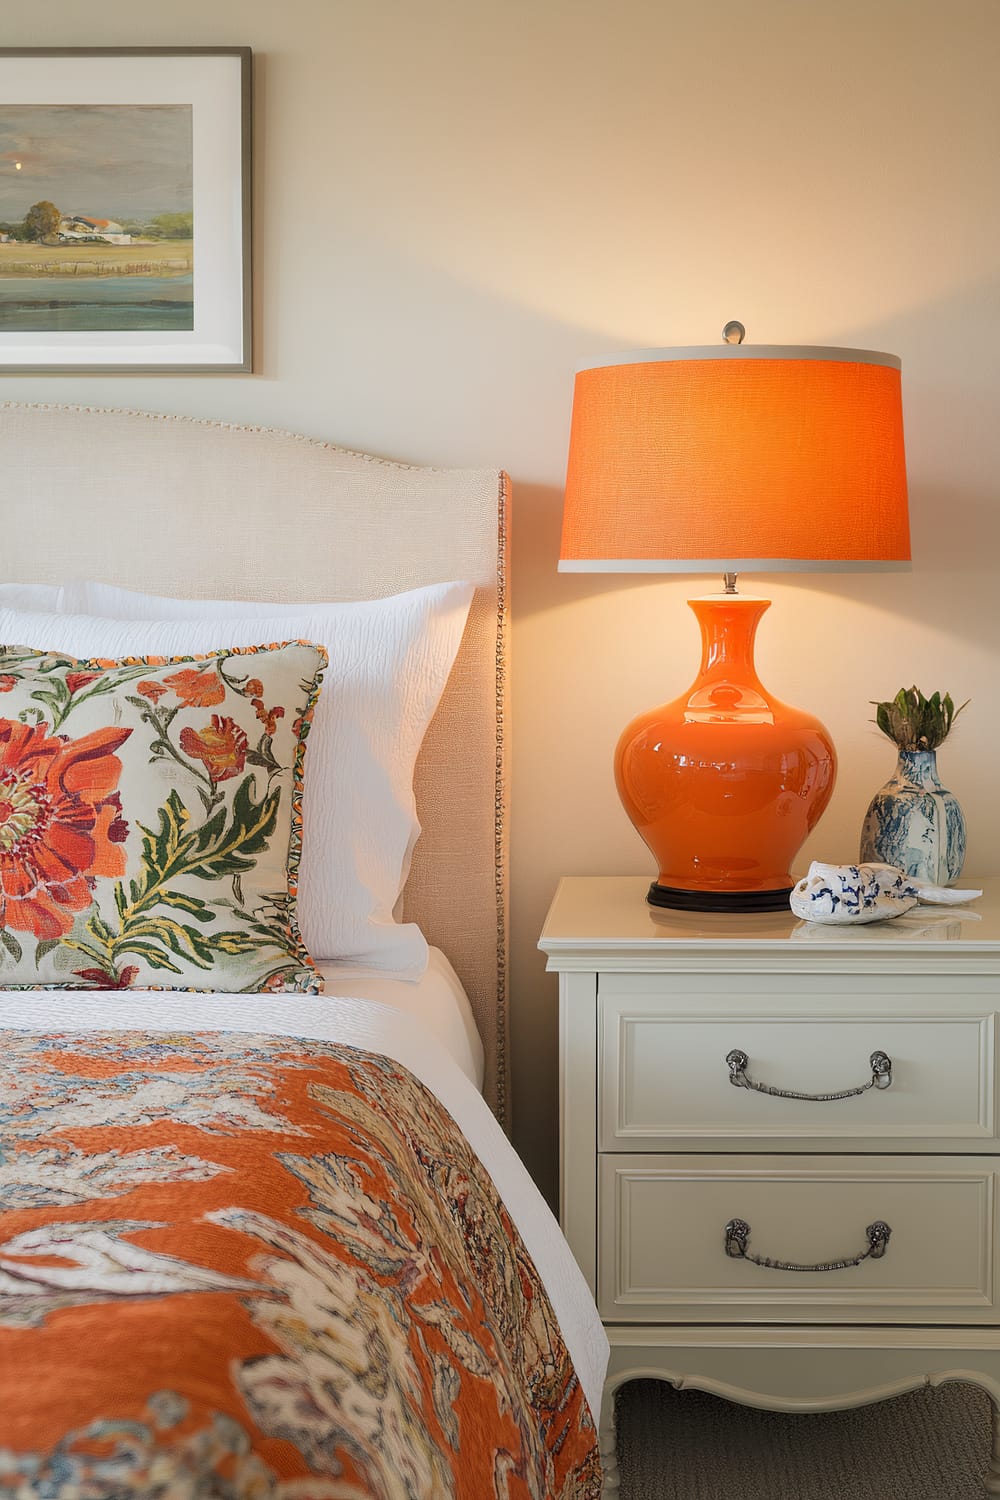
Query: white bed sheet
point(405, 1038)
point(437, 1000)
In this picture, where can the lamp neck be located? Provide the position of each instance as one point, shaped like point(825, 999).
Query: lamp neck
point(728, 628)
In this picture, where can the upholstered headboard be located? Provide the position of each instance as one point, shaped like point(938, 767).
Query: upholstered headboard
point(202, 509)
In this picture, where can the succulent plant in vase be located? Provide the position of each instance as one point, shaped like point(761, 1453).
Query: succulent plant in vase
point(914, 822)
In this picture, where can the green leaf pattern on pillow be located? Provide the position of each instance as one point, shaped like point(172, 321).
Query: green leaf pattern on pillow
point(151, 819)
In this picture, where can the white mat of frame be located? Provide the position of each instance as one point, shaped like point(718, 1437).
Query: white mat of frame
point(687, 1445)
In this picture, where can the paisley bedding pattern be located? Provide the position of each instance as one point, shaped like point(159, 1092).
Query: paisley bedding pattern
point(235, 1265)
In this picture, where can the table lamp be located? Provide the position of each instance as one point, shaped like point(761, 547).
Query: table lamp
point(726, 459)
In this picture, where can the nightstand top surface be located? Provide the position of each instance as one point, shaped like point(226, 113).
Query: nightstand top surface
point(608, 912)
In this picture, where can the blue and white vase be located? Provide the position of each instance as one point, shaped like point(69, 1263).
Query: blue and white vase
point(915, 823)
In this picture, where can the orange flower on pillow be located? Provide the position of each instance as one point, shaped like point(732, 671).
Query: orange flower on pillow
point(221, 745)
point(268, 716)
point(105, 980)
point(60, 824)
point(154, 691)
point(77, 680)
point(197, 689)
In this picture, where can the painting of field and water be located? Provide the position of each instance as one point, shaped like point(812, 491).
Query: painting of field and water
point(96, 218)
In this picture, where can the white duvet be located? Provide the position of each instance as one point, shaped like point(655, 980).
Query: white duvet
point(378, 1028)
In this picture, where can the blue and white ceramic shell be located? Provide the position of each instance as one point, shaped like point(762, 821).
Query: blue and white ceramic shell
point(914, 823)
point(853, 895)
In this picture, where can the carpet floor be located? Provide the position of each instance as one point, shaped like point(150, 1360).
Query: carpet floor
point(687, 1445)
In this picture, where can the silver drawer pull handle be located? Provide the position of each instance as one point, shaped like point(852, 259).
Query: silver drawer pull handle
point(880, 1063)
point(738, 1232)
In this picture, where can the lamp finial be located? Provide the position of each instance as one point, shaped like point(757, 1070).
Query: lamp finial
point(734, 333)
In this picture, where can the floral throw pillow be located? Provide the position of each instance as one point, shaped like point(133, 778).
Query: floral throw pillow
point(151, 819)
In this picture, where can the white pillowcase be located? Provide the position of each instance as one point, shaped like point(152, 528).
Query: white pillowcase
point(389, 662)
point(46, 598)
point(106, 600)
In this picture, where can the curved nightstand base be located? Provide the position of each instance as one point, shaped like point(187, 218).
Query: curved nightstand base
point(801, 1370)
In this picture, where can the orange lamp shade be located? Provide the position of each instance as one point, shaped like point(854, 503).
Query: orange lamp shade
point(728, 459)
point(736, 457)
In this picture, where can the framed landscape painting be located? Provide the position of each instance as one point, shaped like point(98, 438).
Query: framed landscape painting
point(125, 209)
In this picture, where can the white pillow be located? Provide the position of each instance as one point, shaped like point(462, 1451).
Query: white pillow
point(45, 598)
point(84, 597)
point(389, 662)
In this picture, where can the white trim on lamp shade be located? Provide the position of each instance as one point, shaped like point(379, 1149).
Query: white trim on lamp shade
point(745, 351)
point(732, 565)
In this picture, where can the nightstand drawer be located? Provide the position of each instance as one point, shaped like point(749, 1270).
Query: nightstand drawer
point(668, 1057)
point(664, 1255)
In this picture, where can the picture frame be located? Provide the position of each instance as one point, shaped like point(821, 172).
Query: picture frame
point(125, 210)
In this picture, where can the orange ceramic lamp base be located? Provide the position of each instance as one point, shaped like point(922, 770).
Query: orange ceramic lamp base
point(725, 783)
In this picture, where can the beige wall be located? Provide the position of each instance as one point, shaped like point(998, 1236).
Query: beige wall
point(460, 201)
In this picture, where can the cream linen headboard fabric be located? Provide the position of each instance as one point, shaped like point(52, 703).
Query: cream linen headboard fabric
point(199, 509)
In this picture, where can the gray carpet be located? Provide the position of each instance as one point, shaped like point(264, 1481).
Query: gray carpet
point(686, 1445)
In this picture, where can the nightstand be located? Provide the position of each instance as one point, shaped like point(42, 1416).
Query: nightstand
point(779, 1147)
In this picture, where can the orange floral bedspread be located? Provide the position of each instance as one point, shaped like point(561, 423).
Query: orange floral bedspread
point(261, 1268)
